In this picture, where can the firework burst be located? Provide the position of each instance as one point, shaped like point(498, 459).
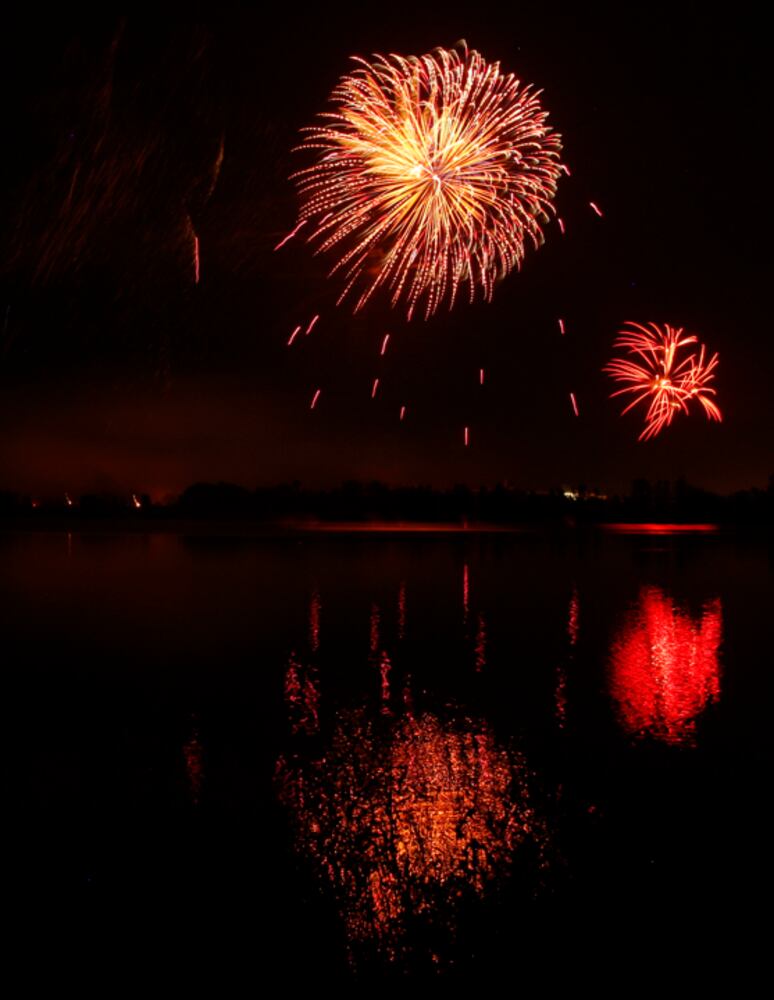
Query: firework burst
point(431, 172)
point(659, 369)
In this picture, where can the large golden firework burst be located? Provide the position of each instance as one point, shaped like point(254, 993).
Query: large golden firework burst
point(431, 172)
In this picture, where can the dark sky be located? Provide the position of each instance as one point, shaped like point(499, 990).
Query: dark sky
point(124, 138)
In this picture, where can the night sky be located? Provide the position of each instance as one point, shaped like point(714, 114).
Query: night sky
point(123, 138)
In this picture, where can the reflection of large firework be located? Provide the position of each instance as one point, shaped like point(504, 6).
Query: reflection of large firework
point(664, 667)
point(405, 816)
point(431, 172)
point(659, 371)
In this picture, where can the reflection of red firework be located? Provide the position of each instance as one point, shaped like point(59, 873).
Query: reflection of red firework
point(664, 667)
point(656, 371)
point(432, 172)
point(398, 811)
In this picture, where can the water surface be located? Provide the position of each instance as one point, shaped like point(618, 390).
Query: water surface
point(434, 755)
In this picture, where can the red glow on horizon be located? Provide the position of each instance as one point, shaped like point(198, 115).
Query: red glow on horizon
point(664, 667)
point(660, 529)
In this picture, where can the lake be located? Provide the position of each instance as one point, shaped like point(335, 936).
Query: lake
point(379, 756)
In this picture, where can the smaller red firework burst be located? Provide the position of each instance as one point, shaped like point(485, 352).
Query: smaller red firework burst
point(659, 370)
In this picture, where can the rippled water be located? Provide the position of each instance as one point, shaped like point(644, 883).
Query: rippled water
point(374, 756)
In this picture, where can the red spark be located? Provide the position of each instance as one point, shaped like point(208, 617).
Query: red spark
point(196, 260)
point(402, 412)
point(467, 436)
point(561, 226)
point(561, 327)
point(375, 387)
point(480, 376)
point(311, 324)
point(596, 208)
point(290, 235)
point(574, 404)
point(293, 335)
point(315, 398)
point(384, 343)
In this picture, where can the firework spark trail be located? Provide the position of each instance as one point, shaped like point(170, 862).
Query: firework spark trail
point(480, 376)
point(597, 209)
point(561, 327)
point(431, 173)
point(467, 436)
point(315, 398)
point(385, 342)
point(560, 223)
point(655, 371)
point(312, 324)
point(197, 272)
point(293, 335)
point(374, 388)
point(402, 412)
point(290, 235)
point(574, 404)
